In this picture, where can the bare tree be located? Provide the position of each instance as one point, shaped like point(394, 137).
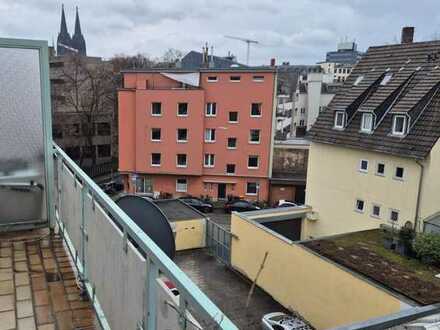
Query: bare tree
point(90, 90)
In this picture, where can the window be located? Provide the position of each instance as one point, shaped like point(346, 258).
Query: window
point(253, 161)
point(104, 150)
point(258, 78)
point(399, 125)
point(233, 116)
point(211, 109)
point(380, 169)
point(339, 119)
point(360, 205)
point(254, 136)
point(212, 79)
point(358, 80)
point(230, 168)
point(301, 122)
point(256, 110)
point(209, 160)
point(182, 135)
point(182, 109)
point(232, 143)
point(181, 160)
point(103, 129)
point(363, 165)
point(399, 173)
point(303, 110)
point(155, 159)
point(251, 188)
point(386, 79)
point(155, 134)
point(234, 78)
point(367, 122)
point(375, 211)
point(156, 109)
point(394, 215)
point(181, 185)
point(210, 135)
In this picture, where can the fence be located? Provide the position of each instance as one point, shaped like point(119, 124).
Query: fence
point(218, 242)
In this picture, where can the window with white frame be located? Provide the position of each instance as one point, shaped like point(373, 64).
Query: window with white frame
point(211, 109)
point(209, 160)
point(380, 170)
point(155, 134)
point(254, 136)
point(363, 165)
point(375, 211)
point(360, 205)
point(251, 188)
point(399, 173)
point(256, 109)
point(394, 215)
point(399, 125)
point(367, 122)
point(234, 78)
point(182, 109)
point(212, 79)
point(181, 160)
point(253, 161)
point(210, 135)
point(155, 159)
point(233, 117)
point(232, 143)
point(230, 168)
point(182, 135)
point(258, 78)
point(339, 119)
point(156, 109)
point(181, 185)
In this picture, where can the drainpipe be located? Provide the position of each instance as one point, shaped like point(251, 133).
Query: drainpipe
point(419, 192)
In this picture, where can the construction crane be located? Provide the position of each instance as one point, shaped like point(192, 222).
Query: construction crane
point(248, 41)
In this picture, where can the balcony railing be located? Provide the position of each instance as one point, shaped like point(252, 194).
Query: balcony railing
point(119, 264)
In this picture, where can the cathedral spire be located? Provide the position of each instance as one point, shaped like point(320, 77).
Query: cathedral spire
point(77, 23)
point(78, 41)
point(63, 27)
point(63, 41)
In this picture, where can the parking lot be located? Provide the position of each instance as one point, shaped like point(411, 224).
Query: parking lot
point(221, 218)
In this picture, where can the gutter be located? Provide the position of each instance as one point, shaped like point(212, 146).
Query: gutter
point(419, 192)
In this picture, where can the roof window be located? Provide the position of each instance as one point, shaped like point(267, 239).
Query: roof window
point(339, 119)
point(399, 125)
point(367, 123)
point(386, 79)
point(358, 80)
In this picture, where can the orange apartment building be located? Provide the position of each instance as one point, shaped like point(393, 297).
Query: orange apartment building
point(204, 132)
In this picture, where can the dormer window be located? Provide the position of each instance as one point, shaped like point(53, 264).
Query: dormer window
point(399, 125)
point(367, 123)
point(339, 119)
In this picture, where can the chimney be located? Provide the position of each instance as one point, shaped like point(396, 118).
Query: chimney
point(407, 34)
point(272, 62)
point(211, 58)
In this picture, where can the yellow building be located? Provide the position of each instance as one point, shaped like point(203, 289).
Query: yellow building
point(375, 156)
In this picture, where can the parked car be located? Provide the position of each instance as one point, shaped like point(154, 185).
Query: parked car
point(240, 206)
point(198, 204)
point(285, 203)
point(282, 321)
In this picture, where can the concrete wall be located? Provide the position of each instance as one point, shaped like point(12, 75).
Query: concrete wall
point(190, 234)
point(334, 182)
point(322, 292)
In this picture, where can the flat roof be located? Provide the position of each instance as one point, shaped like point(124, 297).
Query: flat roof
point(364, 253)
point(176, 210)
point(204, 70)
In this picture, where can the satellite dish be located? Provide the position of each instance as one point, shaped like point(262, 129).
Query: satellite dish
point(151, 220)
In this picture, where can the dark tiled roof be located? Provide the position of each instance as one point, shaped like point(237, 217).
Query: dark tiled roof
point(412, 90)
point(194, 60)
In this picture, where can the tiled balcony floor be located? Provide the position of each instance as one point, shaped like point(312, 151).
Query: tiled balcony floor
point(38, 288)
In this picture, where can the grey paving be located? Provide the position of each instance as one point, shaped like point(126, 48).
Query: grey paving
point(220, 218)
point(227, 289)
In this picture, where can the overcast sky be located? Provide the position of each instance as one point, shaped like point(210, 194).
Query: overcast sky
point(298, 31)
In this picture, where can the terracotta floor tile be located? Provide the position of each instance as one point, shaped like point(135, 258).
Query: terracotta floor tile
point(7, 303)
point(44, 314)
point(41, 298)
point(80, 304)
point(73, 297)
point(24, 308)
point(47, 253)
point(63, 259)
point(5, 262)
point(72, 289)
point(64, 320)
point(5, 274)
point(6, 287)
point(46, 327)
point(7, 320)
point(21, 279)
point(27, 323)
point(20, 256)
point(20, 266)
point(5, 252)
point(34, 259)
point(18, 246)
point(57, 294)
point(39, 283)
point(23, 292)
point(64, 264)
point(69, 283)
point(64, 270)
point(49, 263)
point(36, 269)
point(69, 276)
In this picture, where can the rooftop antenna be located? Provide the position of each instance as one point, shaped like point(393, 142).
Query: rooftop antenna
point(248, 42)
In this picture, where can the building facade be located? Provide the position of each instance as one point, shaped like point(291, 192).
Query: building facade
point(202, 133)
point(375, 155)
point(346, 53)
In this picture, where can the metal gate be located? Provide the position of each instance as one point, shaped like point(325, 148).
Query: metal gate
point(218, 242)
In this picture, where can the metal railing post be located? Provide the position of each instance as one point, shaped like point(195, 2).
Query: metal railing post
point(151, 295)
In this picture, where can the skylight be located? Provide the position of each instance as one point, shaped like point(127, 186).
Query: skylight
point(358, 80)
point(386, 79)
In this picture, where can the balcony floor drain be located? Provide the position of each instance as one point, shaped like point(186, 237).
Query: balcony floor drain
point(53, 277)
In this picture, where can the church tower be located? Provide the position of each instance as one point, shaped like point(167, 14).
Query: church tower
point(63, 41)
point(78, 41)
